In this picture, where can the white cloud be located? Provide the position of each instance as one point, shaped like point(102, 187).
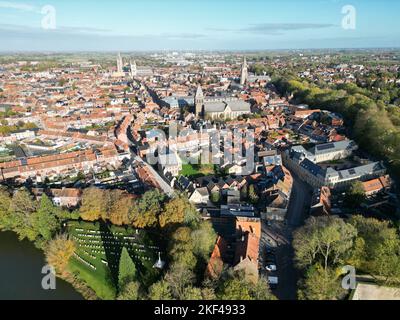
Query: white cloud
point(17, 6)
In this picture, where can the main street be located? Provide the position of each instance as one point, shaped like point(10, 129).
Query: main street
point(280, 237)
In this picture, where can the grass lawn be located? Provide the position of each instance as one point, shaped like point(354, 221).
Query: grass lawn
point(197, 170)
point(99, 246)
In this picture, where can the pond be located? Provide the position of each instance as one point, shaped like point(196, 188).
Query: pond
point(21, 275)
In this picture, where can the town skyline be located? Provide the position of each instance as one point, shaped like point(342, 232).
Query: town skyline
point(61, 26)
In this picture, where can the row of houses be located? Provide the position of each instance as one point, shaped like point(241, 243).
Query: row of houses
point(306, 165)
point(62, 163)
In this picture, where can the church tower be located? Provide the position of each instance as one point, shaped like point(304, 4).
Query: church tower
point(119, 64)
point(199, 101)
point(244, 73)
point(133, 69)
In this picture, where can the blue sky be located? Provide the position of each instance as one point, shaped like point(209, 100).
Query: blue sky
point(125, 25)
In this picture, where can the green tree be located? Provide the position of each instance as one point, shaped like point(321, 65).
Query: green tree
point(235, 289)
point(253, 196)
point(203, 238)
point(192, 293)
point(131, 291)
point(160, 291)
point(182, 248)
point(21, 208)
point(5, 216)
point(327, 240)
point(321, 284)
point(261, 290)
point(146, 211)
point(44, 220)
point(215, 197)
point(355, 195)
point(377, 252)
point(127, 270)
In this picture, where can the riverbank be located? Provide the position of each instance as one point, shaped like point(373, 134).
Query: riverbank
point(21, 264)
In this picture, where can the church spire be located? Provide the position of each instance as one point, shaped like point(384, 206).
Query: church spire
point(244, 73)
point(199, 101)
point(119, 63)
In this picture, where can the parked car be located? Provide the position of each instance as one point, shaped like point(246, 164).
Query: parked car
point(273, 282)
point(271, 267)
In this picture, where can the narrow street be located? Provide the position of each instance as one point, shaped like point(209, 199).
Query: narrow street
point(279, 236)
point(161, 182)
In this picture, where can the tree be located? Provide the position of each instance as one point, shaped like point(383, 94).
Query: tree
point(160, 291)
point(44, 220)
point(179, 278)
point(253, 196)
point(93, 205)
point(355, 195)
point(131, 291)
point(182, 247)
point(58, 253)
point(146, 211)
point(215, 197)
point(192, 293)
point(175, 211)
point(120, 211)
point(261, 290)
point(21, 209)
point(327, 240)
point(321, 284)
point(127, 270)
point(235, 289)
point(5, 217)
point(377, 252)
point(203, 238)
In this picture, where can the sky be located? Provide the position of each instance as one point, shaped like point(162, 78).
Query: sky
point(147, 25)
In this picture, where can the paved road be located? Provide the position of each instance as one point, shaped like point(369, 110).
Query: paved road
point(161, 182)
point(300, 202)
point(280, 236)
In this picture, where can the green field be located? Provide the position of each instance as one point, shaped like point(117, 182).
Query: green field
point(99, 246)
point(197, 170)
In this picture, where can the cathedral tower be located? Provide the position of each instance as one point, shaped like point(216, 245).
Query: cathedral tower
point(244, 73)
point(199, 101)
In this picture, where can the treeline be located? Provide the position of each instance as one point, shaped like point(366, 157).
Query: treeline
point(152, 210)
point(326, 244)
point(7, 129)
point(376, 126)
point(37, 221)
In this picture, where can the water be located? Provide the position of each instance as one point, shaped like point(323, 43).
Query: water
point(20, 273)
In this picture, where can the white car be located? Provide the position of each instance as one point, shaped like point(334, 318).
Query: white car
point(273, 282)
point(270, 267)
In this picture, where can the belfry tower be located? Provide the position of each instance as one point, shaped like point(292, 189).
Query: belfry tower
point(244, 73)
point(199, 101)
